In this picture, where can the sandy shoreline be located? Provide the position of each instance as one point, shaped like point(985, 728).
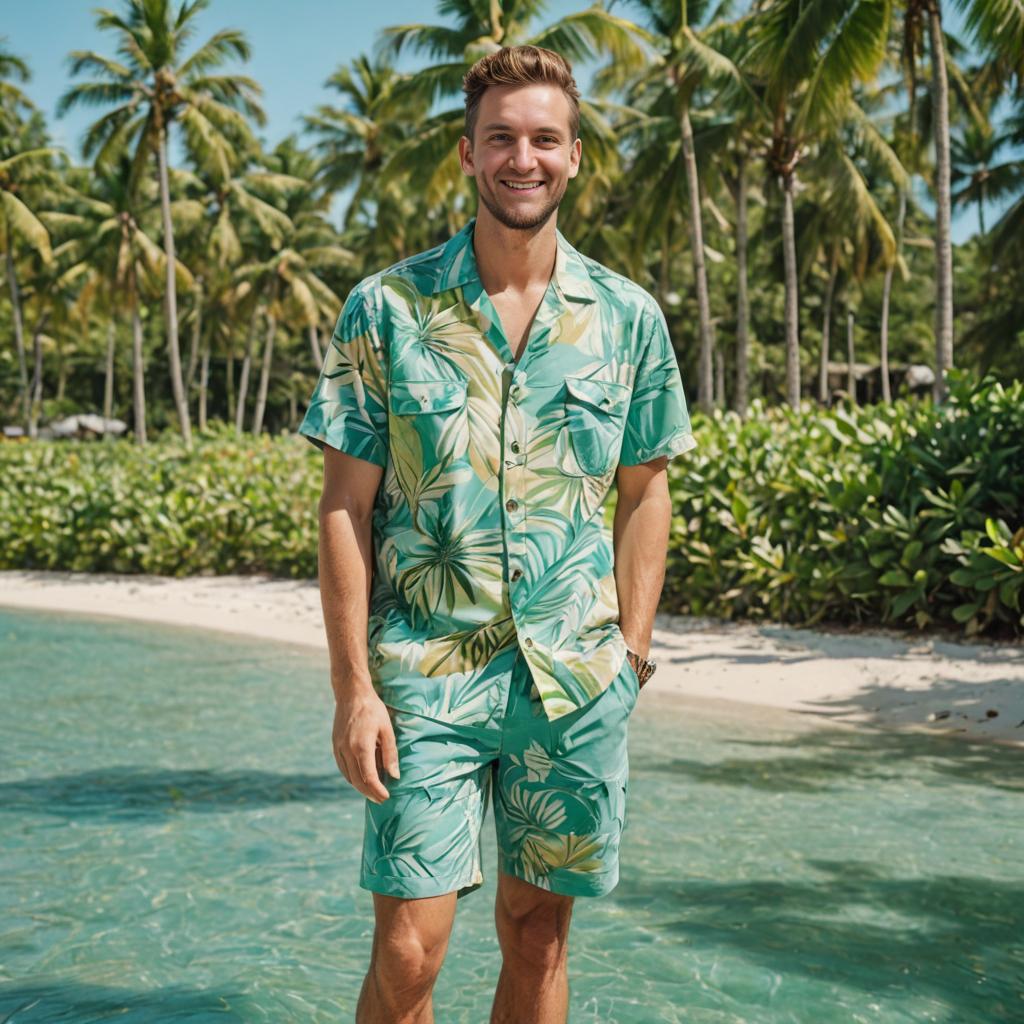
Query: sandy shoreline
point(884, 679)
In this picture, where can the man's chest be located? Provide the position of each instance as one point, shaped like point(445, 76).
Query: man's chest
point(515, 316)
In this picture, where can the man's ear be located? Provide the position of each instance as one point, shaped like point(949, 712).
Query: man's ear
point(575, 157)
point(466, 156)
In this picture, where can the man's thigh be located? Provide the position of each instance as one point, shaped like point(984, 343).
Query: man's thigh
point(560, 790)
point(424, 840)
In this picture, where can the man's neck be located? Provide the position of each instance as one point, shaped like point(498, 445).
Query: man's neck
point(510, 260)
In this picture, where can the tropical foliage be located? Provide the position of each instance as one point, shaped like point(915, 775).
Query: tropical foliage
point(771, 171)
point(900, 515)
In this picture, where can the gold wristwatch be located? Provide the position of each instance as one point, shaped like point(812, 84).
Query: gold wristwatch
point(643, 667)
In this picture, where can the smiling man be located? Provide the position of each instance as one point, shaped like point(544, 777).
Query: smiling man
point(488, 634)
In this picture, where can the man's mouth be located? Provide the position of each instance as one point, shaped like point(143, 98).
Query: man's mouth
point(522, 186)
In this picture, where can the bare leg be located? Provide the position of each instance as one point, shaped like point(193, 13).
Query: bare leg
point(409, 943)
point(533, 932)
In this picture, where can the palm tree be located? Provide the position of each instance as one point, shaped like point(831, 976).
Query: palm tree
point(975, 152)
point(154, 88)
point(806, 59)
point(231, 202)
point(24, 168)
point(356, 138)
point(688, 60)
point(849, 172)
point(290, 275)
point(998, 27)
point(943, 201)
point(12, 100)
point(111, 222)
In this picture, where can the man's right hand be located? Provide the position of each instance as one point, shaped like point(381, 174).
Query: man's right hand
point(361, 727)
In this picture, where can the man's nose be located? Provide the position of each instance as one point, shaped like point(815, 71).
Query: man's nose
point(523, 158)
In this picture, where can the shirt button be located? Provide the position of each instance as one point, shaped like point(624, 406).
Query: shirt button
point(516, 573)
point(528, 641)
point(515, 446)
point(511, 504)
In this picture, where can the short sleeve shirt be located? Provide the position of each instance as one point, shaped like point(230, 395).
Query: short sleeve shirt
point(488, 526)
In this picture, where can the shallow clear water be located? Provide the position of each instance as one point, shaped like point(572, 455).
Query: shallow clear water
point(177, 845)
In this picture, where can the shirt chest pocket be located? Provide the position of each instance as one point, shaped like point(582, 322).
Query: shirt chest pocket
point(595, 413)
point(429, 421)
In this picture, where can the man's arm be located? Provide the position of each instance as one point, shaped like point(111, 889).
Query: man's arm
point(361, 721)
point(643, 516)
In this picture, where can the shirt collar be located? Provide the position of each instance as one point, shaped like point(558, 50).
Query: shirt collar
point(458, 267)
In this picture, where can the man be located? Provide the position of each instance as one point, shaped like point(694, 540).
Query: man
point(474, 407)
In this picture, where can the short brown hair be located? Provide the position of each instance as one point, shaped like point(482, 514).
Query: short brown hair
point(520, 65)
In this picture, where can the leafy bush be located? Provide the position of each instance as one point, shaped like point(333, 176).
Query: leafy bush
point(229, 506)
point(903, 515)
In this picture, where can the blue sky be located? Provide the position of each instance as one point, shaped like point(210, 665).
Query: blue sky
point(295, 47)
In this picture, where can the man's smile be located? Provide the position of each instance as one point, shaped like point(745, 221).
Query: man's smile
point(522, 186)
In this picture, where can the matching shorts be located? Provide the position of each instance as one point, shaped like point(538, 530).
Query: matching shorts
point(558, 790)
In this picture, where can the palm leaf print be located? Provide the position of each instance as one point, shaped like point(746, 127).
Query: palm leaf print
point(438, 567)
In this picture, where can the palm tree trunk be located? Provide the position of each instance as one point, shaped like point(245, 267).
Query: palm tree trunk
point(197, 330)
point(314, 344)
point(792, 310)
point(826, 329)
point(742, 297)
point(171, 293)
point(851, 377)
point(700, 277)
point(35, 405)
point(719, 377)
point(138, 370)
point(229, 380)
point(19, 329)
point(204, 377)
point(883, 341)
point(243, 380)
point(108, 374)
point(943, 241)
point(62, 370)
point(268, 355)
point(666, 261)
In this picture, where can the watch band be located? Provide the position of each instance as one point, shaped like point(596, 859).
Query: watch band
point(644, 667)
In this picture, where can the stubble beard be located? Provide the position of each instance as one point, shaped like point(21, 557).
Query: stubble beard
point(520, 222)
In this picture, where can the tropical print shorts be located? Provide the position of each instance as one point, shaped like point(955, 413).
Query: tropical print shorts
point(558, 789)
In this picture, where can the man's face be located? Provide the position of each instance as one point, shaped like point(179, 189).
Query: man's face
point(521, 155)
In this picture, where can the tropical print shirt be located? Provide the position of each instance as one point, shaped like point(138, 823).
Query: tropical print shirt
point(488, 527)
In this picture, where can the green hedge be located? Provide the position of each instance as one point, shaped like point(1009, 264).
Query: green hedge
point(901, 515)
point(228, 506)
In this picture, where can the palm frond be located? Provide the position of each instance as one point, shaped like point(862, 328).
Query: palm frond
point(24, 223)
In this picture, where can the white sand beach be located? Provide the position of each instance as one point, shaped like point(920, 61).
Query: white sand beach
point(879, 678)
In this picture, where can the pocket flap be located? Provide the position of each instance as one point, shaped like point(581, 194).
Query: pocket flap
point(607, 395)
point(408, 397)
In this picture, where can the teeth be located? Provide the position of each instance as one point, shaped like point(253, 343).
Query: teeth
point(522, 184)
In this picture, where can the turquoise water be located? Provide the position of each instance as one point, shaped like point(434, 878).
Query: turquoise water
point(177, 845)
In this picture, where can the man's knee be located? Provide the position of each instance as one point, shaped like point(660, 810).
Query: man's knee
point(533, 926)
point(410, 941)
point(407, 960)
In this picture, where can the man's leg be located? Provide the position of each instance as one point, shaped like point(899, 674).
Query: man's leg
point(533, 932)
point(409, 943)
